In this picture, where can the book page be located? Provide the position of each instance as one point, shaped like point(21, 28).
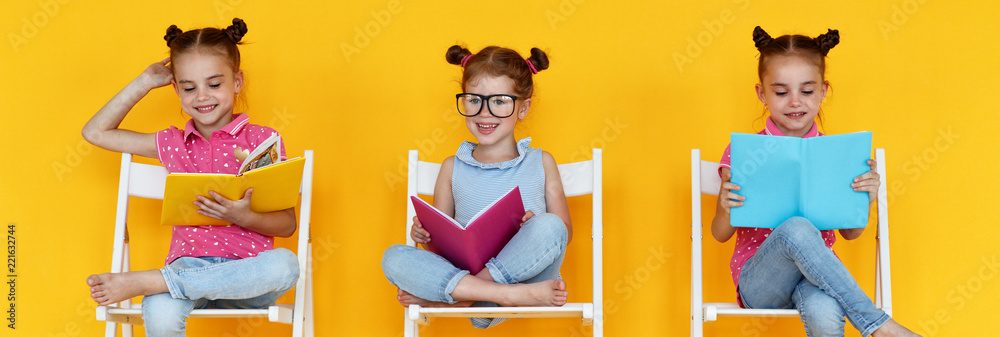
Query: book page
point(267, 153)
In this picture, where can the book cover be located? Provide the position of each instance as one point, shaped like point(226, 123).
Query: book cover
point(470, 246)
point(782, 177)
point(276, 187)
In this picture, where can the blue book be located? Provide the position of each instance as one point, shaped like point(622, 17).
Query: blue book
point(782, 177)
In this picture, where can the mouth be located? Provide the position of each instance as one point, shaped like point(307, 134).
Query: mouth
point(487, 128)
point(795, 115)
point(206, 108)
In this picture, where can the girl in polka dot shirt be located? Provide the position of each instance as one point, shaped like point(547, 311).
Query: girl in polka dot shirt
point(234, 266)
point(793, 265)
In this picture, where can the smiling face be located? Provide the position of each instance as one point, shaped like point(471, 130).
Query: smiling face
point(207, 86)
point(488, 129)
point(793, 89)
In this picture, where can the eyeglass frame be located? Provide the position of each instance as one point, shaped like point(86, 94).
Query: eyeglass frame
point(485, 98)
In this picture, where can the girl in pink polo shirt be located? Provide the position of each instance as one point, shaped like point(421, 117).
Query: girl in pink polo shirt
point(793, 265)
point(234, 266)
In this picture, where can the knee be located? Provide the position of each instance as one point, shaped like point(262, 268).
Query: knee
point(547, 225)
point(394, 260)
point(163, 315)
point(284, 263)
point(797, 229)
point(823, 316)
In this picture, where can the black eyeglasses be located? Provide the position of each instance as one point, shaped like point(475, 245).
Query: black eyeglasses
point(500, 106)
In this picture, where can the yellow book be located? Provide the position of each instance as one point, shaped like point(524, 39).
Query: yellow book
point(275, 187)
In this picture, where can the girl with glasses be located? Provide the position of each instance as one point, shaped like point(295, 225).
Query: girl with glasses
point(496, 95)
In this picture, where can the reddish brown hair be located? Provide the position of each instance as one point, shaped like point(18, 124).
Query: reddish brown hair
point(221, 41)
point(498, 61)
point(813, 49)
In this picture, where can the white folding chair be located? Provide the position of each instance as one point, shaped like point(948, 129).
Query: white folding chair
point(579, 178)
point(148, 181)
point(705, 180)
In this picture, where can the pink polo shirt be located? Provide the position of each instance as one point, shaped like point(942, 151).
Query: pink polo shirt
point(186, 151)
point(749, 239)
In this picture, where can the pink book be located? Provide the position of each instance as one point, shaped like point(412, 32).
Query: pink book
point(470, 246)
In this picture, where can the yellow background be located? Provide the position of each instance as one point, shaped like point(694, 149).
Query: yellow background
point(920, 74)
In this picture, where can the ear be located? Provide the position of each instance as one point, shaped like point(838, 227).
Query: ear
point(177, 91)
point(238, 78)
point(826, 87)
point(759, 88)
point(522, 112)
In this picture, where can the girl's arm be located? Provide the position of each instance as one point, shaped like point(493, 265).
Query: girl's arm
point(102, 129)
point(555, 197)
point(868, 182)
point(278, 223)
point(443, 201)
point(721, 229)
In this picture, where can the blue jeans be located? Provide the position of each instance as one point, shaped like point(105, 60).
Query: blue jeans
point(533, 255)
point(794, 269)
point(205, 282)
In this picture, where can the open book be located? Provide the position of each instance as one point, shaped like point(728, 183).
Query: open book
point(782, 177)
point(470, 246)
point(275, 183)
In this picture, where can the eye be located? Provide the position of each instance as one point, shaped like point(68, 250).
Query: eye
point(781, 93)
point(498, 101)
point(190, 89)
point(807, 92)
point(473, 100)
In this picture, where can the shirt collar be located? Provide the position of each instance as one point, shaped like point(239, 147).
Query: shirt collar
point(234, 127)
point(771, 129)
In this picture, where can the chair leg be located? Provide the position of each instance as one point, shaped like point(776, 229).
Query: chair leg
point(309, 296)
point(410, 328)
point(111, 329)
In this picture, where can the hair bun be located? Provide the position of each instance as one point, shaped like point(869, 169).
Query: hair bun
point(539, 59)
point(761, 38)
point(237, 30)
point(455, 54)
point(172, 33)
point(828, 41)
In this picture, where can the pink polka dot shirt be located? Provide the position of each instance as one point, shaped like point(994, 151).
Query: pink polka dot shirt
point(749, 239)
point(186, 151)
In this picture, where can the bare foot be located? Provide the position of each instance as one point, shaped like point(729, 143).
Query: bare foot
point(111, 288)
point(891, 328)
point(545, 293)
point(406, 299)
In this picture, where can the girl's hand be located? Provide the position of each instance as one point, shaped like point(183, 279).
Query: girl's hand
point(234, 211)
point(157, 74)
point(418, 233)
point(728, 198)
point(868, 182)
point(527, 215)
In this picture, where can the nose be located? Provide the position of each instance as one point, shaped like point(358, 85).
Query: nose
point(796, 101)
point(202, 95)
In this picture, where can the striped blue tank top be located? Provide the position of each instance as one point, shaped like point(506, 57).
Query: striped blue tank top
point(475, 185)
